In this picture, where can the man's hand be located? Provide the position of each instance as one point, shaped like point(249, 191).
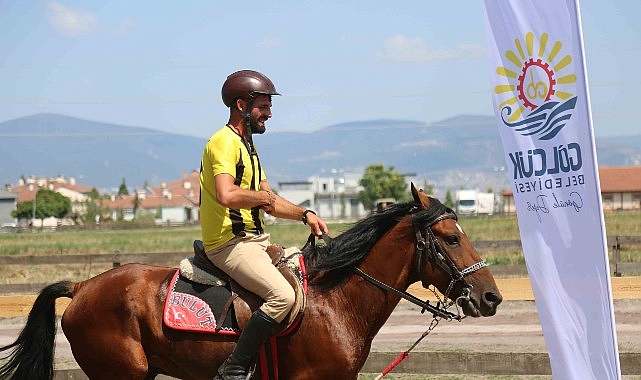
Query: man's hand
point(271, 205)
point(316, 224)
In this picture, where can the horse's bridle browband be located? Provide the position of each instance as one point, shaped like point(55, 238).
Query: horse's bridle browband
point(429, 249)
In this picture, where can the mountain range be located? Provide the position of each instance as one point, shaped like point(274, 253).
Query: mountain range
point(463, 151)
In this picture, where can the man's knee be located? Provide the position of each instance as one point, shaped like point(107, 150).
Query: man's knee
point(281, 302)
point(289, 297)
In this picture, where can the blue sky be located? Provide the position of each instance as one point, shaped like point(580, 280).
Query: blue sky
point(161, 64)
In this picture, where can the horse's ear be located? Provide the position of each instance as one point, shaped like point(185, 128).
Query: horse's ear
point(419, 196)
point(415, 193)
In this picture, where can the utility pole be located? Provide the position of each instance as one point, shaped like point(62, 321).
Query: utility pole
point(33, 218)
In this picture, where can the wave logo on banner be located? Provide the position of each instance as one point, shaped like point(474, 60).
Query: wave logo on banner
point(535, 84)
point(537, 103)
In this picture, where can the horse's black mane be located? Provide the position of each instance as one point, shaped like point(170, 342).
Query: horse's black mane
point(328, 265)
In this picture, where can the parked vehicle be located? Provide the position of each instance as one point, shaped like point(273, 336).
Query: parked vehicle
point(472, 202)
point(381, 203)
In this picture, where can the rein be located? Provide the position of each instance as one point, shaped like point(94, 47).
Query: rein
point(425, 305)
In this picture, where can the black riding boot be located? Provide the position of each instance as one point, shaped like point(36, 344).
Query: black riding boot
point(258, 329)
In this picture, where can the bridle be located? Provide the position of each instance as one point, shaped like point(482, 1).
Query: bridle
point(429, 249)
point(433, 251)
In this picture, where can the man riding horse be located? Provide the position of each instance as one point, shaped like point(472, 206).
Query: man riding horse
point(234, 190)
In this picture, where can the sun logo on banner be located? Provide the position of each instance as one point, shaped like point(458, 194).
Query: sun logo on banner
point(538, 101)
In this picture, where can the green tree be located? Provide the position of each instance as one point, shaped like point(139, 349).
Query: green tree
point(449, 199)
point(428, 188)
point(136, 202)
point(93, 210)
point(24, 210)
point(93, 194)
point(380, 182)
point(122, 190)
point(48, 203)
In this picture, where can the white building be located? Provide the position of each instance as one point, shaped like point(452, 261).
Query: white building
point(333, 198)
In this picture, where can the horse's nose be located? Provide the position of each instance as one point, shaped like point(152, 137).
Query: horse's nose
point(491, 301)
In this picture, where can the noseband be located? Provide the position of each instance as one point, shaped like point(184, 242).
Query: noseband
point(429, 249)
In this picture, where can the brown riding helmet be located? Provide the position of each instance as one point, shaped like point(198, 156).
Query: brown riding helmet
point(246, 84)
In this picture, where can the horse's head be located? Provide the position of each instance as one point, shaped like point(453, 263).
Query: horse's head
point(446, 258)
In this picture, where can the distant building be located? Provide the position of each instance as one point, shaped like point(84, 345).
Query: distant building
point(29, 187)
point(174, 202)
point(332, 197)
point(620, 190)
point(177, 202)
point(8, 203)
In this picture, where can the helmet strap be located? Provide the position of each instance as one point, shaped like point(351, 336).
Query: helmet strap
point(247, 120)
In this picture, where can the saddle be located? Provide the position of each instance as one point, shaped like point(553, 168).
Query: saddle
point(243, 302)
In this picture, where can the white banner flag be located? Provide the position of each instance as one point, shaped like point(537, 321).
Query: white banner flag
point(543, 114)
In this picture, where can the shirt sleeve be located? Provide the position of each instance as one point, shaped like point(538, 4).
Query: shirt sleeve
point(223, 155)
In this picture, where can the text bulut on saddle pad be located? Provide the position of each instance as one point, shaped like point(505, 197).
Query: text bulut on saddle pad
point(192, 307)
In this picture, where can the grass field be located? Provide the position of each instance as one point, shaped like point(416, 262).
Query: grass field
point(180, 239)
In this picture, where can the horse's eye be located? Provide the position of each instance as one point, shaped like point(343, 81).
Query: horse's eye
point(452, 240)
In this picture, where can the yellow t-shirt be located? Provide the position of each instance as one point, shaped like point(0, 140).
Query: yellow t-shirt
point(227, 153)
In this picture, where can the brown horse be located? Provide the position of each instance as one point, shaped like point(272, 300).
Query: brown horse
point(114, 321)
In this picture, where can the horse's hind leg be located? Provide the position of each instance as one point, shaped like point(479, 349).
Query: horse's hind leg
point(116, 358)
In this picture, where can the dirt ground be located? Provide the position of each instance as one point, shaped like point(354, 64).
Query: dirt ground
point(515, 327)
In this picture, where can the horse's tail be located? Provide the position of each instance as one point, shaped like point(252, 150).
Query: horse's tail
point(31, 355)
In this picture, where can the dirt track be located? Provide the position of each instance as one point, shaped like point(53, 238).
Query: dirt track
point(515, 328)
point(513, 289)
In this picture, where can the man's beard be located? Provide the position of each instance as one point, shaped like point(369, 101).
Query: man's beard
point(254, 126)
